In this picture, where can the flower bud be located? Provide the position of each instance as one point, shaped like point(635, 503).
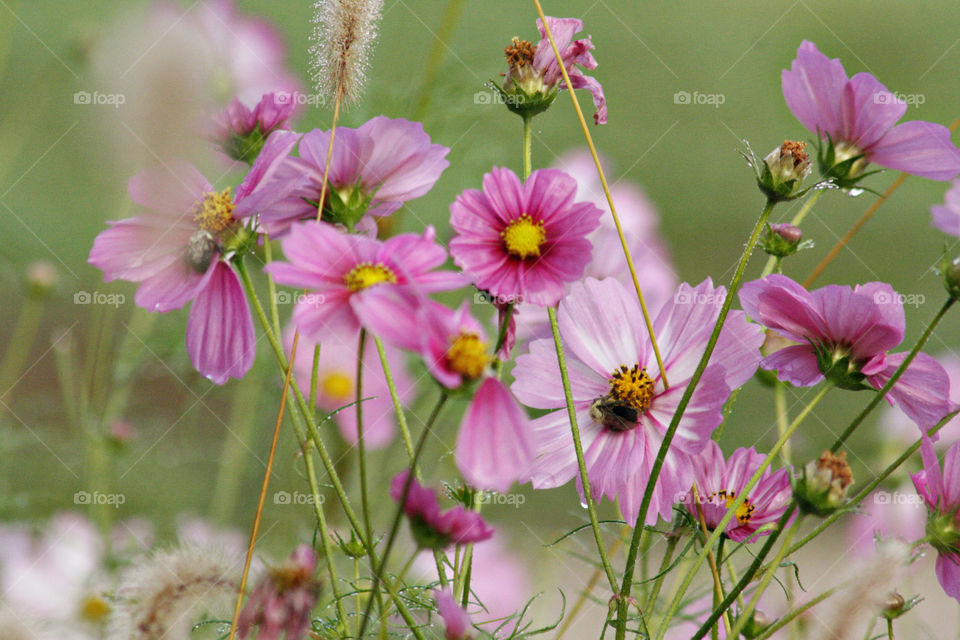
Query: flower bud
point(41, 279)
point(822, 485)
point(943, 532)
point(352, 548)
point(949, 270)
point(524, 91)
point(757, 624)
point(782, 240)
point(783, 170)
point(895, 605)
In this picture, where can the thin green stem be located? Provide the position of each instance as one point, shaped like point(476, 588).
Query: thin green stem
point(894, 378)
point(795, 613)
point(527, 148)
point(443, 36)
point(678, 415)
point(395, 397)
point(361, 444)
point(18, 347)
point(780, 400)
point(747, 613)
point(578, 447)
point(233, 459)
point(732, 509)
point(651, 602)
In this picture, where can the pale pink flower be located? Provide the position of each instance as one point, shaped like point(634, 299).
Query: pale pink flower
point(940, 490)
point(431, 527)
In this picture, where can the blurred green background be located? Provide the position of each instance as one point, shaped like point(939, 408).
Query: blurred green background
point(61, 177)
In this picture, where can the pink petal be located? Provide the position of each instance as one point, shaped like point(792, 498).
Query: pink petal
point(919, 148)
point(922, 392)
point(869, 110)
point(813, 89)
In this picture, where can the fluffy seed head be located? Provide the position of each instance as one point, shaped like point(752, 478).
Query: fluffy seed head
point(344, 32)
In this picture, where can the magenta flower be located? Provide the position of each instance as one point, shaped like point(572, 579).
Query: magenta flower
point(241, 131)
point(622, 408)
point(946, 216)
point(941, 493)
point(523, 242)
point(720, 482)
point(860, 116)
point(455, 618)
point(180, 250)
point(281, 603)
point(899, 432)
point(336, 385)
point(340, 270)
point(375, 169)
point(494, 447)
point(433, 528)
point(844, 335)
point(536, 73)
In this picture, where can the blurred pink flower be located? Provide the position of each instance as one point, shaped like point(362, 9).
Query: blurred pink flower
point(720, 482)
point(523, 242)
point(941, 492)
point(431, 527)
point(179, 251)
point(455, 619)
point(900, 431)
point(241, 132)
point(281, 603)
point(336, 385)
point(946, 216)
point(340, 270)
point(844, 334)
point(860, 115)
point(622, 408)
point(375, 169)
point(885, 514)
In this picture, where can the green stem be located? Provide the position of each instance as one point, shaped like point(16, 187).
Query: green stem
point(773, 261)
point(18, 348)
point(578, 447)
point(434, 62)
point(527, 148)
point(731, 510)
point(780, 399)
point(361, 445)
point(395, 397)
point(621, 624)
point(795, 613)
point(747, 613)
point(650, 604)
point(233, 459)
point(896, 376)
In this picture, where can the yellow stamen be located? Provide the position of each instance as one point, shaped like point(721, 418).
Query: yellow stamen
point(523, 237)
point(94, 608)
point(337, 386)
point(632, 387)
point(744, 511)
point(215, 212)
point(366, 275)
point(468, 355)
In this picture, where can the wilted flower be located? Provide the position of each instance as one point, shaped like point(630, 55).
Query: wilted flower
point(339, 270)
point(858, 118)
point(821, 487)
point(721, 482)
point(783, 171)
point(523, 242)
point(534, 77)
point(622, 407)
point(941, 493)
point(844, 335)
point(431, 527)
point(281, 602)
point(374, 170)
point(181, 249)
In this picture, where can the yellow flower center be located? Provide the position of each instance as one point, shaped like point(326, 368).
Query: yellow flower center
point(215, 212)
point(337, 386)
point(94, 608)
point(365, 275)
point(468, 355)
point(744, 511)
point(631, 392)
point(523, 237)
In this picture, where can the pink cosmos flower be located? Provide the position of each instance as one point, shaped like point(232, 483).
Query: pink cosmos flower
point(281, 602)
point(946, 216)
point(523, 242)
point(900, 432)
point(639, 220)
point(720, 482)
point(941, 493)
point(337, 385)
point(884, 515)
point(241, 131)
point(341, 270)
point(433, 528)
point(622, 407)
point(860, 115)
point(844, 334)
point(494, 446)
point(536, 71)
point(180, 250)
point(455, 618)
point(375, 169)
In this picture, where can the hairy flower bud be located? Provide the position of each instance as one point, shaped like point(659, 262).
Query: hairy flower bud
point(782, 240)
point(822, 485)
point(783, 170)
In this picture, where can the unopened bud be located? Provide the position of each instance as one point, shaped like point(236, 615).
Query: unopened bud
point(41, 278)
point(782, 240)
point(757, 624)
point(949, 270)
point(783, 170)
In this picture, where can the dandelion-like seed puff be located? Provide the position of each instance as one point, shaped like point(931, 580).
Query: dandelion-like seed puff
point(343, 35)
